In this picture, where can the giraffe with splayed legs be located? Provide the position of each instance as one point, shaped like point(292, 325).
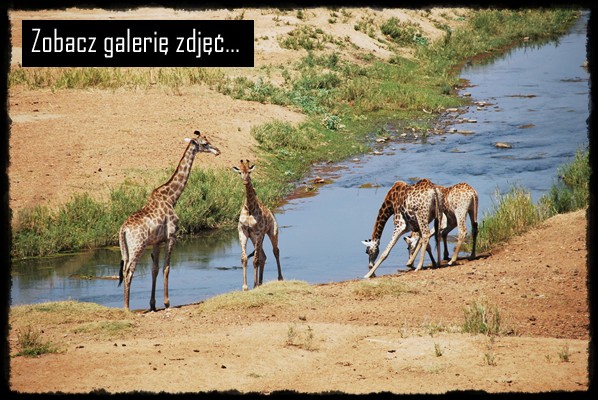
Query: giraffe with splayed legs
point(157, 223)
point(255, 222)
point(413, 207)
point(460, 200)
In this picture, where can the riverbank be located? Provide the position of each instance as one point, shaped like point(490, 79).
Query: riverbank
point(323, 80)
point(401, 333)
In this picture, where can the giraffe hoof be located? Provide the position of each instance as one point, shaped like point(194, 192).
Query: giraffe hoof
point(245, 288)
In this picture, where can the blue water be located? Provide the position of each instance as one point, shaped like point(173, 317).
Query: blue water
point(538, 102)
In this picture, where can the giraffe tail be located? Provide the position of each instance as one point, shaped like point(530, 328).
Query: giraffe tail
point(121, 275)
point(124, 250)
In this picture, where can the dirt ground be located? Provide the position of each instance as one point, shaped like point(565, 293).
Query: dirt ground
point(69, 141)
point(355, 344)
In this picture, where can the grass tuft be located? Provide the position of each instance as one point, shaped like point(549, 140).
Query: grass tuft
point(482, 318)
point(31, 343)
point(376, 288)
point(270, 293)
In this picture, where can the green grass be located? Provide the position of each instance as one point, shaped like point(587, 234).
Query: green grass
point(31, 343)
point(482, 318)
point(514, 212)
point(87, 319)
point(571, 192)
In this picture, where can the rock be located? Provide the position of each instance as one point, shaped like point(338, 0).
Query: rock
point(503, 145)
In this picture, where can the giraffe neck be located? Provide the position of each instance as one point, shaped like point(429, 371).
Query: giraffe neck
point(251, 201)
point(386, 210)
point(174, 187)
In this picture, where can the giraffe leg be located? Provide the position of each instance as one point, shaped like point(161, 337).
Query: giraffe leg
point(474, 234)
point(444, 241)
point(155, 269)
point(424, 245)
point(400, 229)
point(257, 257)
point(171, 243)
point(274, 239)
point(462, 234)
point(429, 251)
point(243, 239)
point(451, 224)
point(262, 265)
point(128, 270)
point(462, 227)
point(414, 253)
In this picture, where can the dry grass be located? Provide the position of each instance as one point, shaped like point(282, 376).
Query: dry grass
point(270, 293)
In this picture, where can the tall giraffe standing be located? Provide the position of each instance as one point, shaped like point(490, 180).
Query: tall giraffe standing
point(157, 222)
point(414, 207)
point(255, 222)
point(460, 200)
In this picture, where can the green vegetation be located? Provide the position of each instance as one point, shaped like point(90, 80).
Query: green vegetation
point(343, 101)
point(303, 340)
point(572, 191)
point(89, 319)
point(515, 213)
point(564, 353)
point(31, 343)
point(482, 318)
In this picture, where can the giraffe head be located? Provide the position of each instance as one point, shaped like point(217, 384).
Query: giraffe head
point(244, 169)
point(372, 248)
point(411, 242)
point(202, 145)
point(413, 239)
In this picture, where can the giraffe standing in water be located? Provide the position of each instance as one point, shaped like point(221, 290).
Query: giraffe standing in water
point(157, 222)
point(414, 207)
point(460, 200)
point(255, 222)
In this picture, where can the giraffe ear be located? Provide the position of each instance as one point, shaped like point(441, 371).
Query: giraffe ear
point(237, 170)
point(367, 242)
point(187, 140)
point(251, 168)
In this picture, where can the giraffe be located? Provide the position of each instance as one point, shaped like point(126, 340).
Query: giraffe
point(255, 222)
point(460, 200)
point(414, 207)
point(157, 222)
